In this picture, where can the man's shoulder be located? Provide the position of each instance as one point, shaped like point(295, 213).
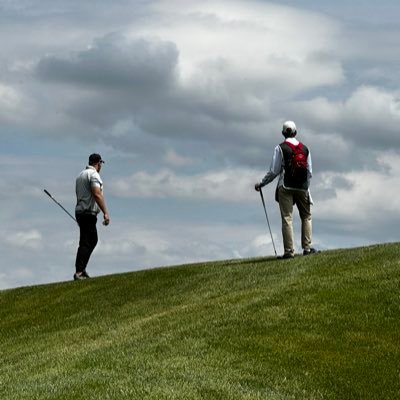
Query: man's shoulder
point(292, 142)
point(82, 174)
point(89, 174)
point(95, 179)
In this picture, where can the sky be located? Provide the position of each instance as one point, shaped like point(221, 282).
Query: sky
point(185, 101)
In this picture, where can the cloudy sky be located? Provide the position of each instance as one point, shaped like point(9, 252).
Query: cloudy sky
point(185, 101)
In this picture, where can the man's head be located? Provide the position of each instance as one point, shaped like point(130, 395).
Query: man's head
point(95, 161)
point(289, 129)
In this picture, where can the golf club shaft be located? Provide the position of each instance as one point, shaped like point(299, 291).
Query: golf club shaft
point(269, 226)
point(55, 201)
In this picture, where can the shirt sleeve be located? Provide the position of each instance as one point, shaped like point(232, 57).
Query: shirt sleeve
point(309, 165)
point(95, 180)
point(275, 167)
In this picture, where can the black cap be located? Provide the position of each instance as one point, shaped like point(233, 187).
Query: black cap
point(95, 158)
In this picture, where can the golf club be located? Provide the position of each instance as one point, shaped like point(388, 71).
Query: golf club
point(262, 199)
point(55, 201)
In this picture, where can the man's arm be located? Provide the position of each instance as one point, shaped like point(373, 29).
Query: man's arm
point(274, 169)
point(309, 165)
point(99, 197)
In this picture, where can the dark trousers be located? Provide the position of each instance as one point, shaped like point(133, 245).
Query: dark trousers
point(87, 241)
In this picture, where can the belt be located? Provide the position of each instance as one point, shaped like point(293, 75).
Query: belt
point(86, 213)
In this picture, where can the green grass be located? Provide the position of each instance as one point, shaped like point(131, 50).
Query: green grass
point(318, 327)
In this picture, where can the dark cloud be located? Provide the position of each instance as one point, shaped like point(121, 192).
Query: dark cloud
point(135, 82)
point(120, 79)
point(113, 63)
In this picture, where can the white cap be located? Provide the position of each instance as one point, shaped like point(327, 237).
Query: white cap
point(289, 125)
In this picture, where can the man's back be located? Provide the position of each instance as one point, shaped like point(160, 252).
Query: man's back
point(85, 202)
point(296, 166)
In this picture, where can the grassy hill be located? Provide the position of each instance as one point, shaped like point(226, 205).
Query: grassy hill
point(325, 326)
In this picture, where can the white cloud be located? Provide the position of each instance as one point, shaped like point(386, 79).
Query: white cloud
point(374, 109)
point(9, 98)
point(176, 160)
point(11, 103)
point(224, 40)
point(29, 240)
point(232, 185)
point(141, 245)
point(260, 245)
point(370, 115)
point(370, 198)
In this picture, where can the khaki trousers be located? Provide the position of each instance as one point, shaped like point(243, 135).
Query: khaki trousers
point(288, 197)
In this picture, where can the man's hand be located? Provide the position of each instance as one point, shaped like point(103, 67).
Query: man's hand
point(257, 187)
point(106, 220)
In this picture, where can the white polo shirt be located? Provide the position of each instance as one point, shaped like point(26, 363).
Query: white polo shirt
point(85, 202)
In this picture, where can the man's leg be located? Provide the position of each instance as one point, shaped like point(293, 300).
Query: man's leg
point(304, 205)
point(286, 208)
point(87, 241)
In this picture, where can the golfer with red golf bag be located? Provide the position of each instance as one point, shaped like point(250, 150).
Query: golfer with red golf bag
point(291, 161)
